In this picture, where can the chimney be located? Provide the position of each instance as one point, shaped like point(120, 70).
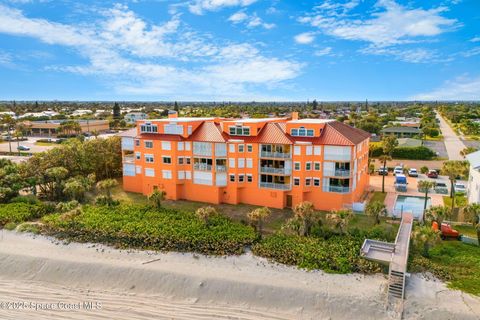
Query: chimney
point(294, 115)
point(172, 114)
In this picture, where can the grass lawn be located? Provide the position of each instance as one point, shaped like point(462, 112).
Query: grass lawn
point(46, 144)
point(438, 138)
point(378, 196)
point(467, 230)
point(460, 201)
point(461, 262)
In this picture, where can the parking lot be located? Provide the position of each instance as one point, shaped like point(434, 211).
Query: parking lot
point(30, 143)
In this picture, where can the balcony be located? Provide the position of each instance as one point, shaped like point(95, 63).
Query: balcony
point(271, 185)
point(336, 173)
point(202, 167)
point(128, 159)
point(272, 170)
point(276, 155)
point(336, 189)
point(220, 168)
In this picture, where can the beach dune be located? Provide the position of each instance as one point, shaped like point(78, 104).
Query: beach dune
point(144, 285)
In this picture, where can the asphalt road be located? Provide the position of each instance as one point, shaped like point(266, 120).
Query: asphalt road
point(4, 146)
point(452, 142)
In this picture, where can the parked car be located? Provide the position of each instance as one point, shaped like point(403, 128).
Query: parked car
point(398, 170)
point(460, 188)
point(413, 172)
point(23, 148)
point(441, 187)
point(432, 174)
point(383, 171)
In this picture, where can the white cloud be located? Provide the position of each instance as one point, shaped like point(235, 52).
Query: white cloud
point(250, 21)
point(200, 6)
point(135, 57)
point(390, 24)
point(304, 38)
point(416, 55)
point(323, 52)
point(238, 17)
point(460, 88)
point(472, 52)
point(475, 39)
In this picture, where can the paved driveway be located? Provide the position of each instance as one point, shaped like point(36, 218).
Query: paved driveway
point(452, 142)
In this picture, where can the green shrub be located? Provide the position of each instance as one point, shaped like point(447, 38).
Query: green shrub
point(424, 170)
point(19, 212)
point(337, 254)
point(412, 153)
point(150, 228)
point(10, 226)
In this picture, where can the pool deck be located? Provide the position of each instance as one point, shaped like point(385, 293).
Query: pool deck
point(376, 184)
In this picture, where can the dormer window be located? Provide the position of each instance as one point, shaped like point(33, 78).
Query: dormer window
point(239, 130)
point(302, 132)
point(148, 128)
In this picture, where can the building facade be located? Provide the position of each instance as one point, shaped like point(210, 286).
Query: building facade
point(274, 162)
point(473, 187)
point(133, 117)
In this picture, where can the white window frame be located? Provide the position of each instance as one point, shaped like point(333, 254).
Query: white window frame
point(295, 166)
point(149, 158)
point(249, 147)
point(319, 166)
point(231, 148)
point(231, 163)
point(249, 163)
point(230, 177)
point(316, 180)
point(309, 150)
point(317, 150)
point(241, 163)
point(296, 179)
point(188, 146)
point(167, 174)
point(249, 177)
point(163, 160)
point(241, 178)
point(180, 146)
point(241, 148)
point(149, 172)
point(308, 163)
point(148, 142)
point(166, 145)
point(308, 182)
point(297, 150)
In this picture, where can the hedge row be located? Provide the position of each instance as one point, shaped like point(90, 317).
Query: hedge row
point(409, 153)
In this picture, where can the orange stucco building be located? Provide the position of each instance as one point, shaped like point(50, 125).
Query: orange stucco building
point(274, 162)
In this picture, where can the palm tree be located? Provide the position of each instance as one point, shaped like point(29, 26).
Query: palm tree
point(156, 198)
point(304, 211)
point(205, 213)
point(437, 213)
point(375, 209)
point(425, 237)
point(389, 143)
point(425, 186)
point(453, 169)
point(472, 215)
point(106, 186)
point(340, 219)
point(9, 123)
point(258, 217)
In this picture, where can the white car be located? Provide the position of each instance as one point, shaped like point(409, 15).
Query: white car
point(412, 172)
point(460, 188)
point(398, 170)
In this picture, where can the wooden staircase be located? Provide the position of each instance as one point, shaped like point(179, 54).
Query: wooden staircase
point(396, 284)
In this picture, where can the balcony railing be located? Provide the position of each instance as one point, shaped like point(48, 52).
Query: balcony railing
point(337, 189)
point(336, 173)
point(275, 170)
point(202, 167)
point(220, 168)
point(128, 159)
point(279, 155)
point(271, 185)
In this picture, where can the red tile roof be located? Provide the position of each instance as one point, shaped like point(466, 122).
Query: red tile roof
point(208, 131)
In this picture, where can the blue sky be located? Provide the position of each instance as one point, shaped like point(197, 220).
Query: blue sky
point(240, 50)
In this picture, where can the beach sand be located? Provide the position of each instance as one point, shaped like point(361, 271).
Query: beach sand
point(57, 278)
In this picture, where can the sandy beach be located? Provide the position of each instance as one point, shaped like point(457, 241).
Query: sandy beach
point(47, 279)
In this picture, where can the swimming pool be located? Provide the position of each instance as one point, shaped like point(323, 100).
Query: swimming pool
point(411, 204)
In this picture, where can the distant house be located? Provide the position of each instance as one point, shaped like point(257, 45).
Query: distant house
point(402, 132)
point(133, 117)
point(413, 124)
point(473, 189)
point(51, 128)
